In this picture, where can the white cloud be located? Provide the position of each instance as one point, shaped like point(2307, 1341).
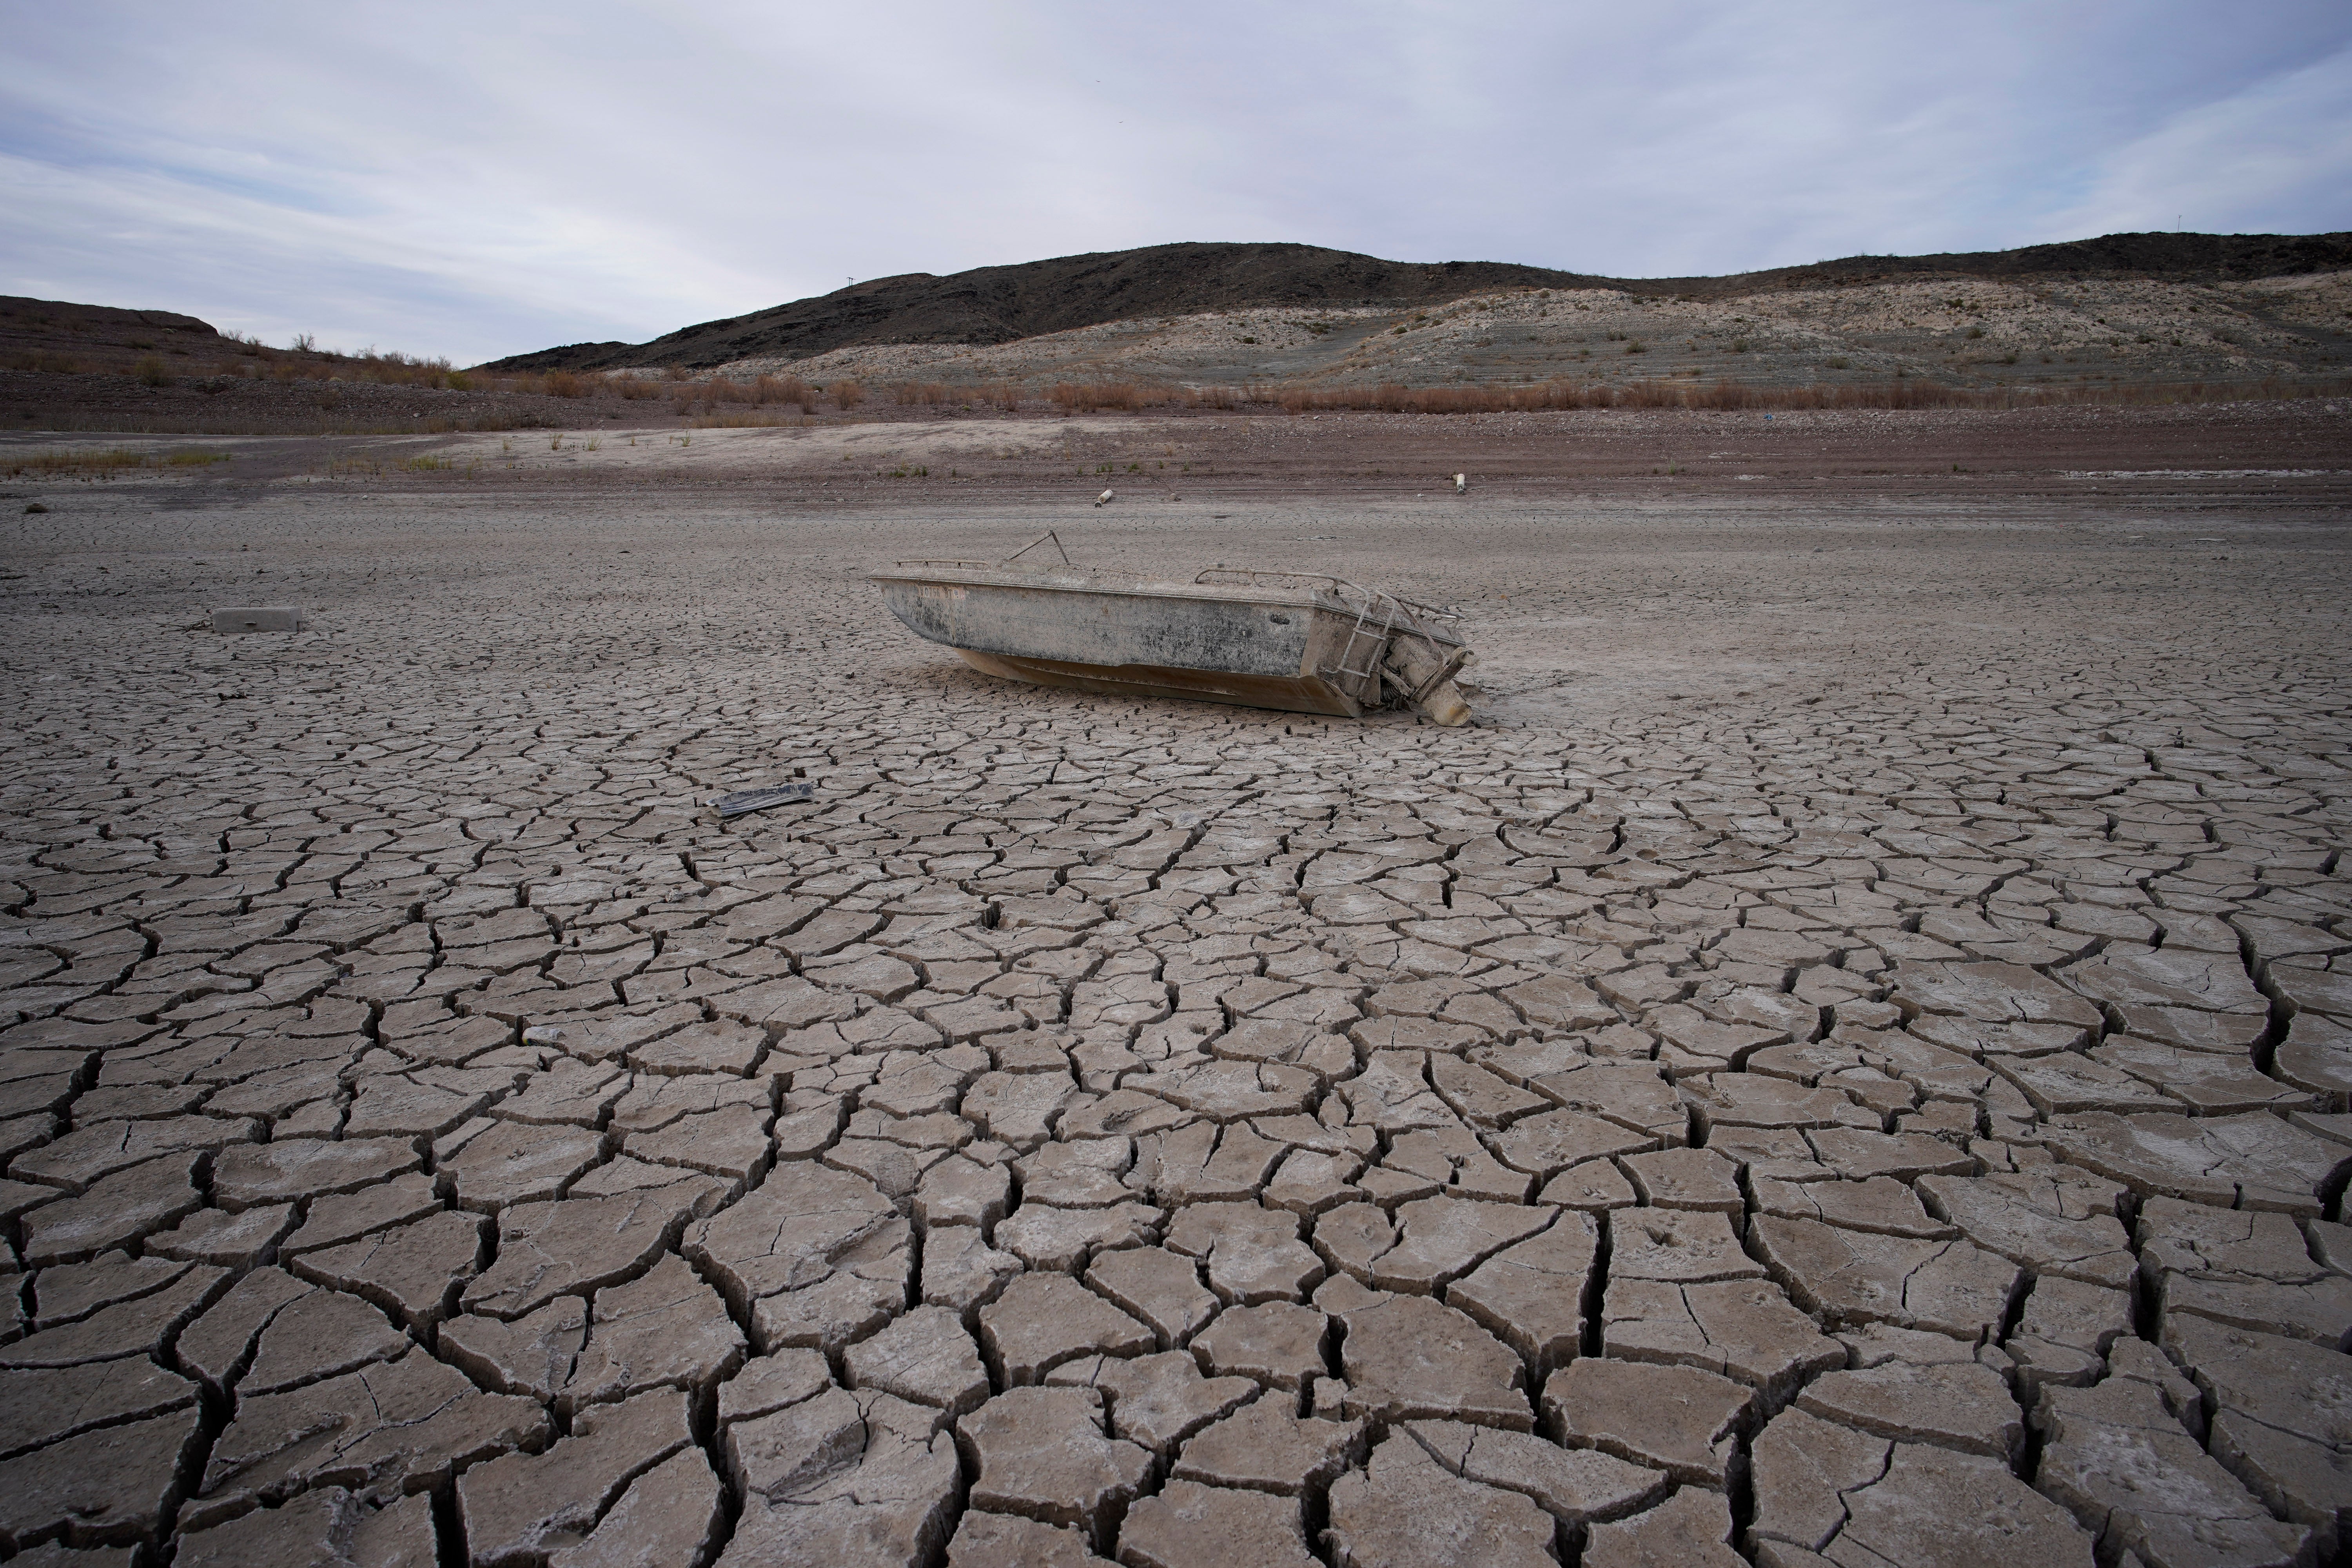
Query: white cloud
point(2255, 162)
point(480, 181)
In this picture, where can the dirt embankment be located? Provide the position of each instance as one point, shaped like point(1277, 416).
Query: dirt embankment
point(2195, 456)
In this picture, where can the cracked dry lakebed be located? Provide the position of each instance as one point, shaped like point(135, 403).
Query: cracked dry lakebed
point(1846, 1062)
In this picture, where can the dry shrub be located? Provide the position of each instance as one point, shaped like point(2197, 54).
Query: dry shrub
point(927, 394)
point(784, 389)
point(1084, 396)
point(1004, 395)
point(96, 463)
point(1393, 397)
point(847, 393)
point(564, 384)
point(708, 395)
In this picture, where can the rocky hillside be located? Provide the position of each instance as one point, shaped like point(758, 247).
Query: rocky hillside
point(998, 305)
point(52, 334)
point(1976, 332)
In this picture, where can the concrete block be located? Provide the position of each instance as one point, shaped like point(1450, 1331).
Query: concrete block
point(258, 618)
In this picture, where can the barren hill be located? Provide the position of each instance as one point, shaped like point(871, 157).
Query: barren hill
point(57, 335)
point(994, 305)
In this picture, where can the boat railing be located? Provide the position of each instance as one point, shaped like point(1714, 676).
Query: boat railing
point(1040, 539)
point(1049, 536)
point(1340, 586)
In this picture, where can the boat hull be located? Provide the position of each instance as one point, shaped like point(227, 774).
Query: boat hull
point(1287, 694)
point(1294, 642)
point(1279, 649)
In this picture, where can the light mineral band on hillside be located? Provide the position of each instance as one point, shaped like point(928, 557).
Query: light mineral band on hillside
point(1844, 1063)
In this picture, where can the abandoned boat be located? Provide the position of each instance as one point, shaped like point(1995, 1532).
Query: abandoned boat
point(1301, 642)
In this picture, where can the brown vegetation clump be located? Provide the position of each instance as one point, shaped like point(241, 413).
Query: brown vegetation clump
point(1004, 395)
point(47, 361)
point(103, 463)
point(789, 389)
point(708, 394)
point(1393, 398)
point(1085, 398)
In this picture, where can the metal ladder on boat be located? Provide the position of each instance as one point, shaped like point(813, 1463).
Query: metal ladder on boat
point(1375, 642)
point(1379, 618)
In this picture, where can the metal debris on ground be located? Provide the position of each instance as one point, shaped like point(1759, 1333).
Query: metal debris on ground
point(750, 800)
point(258, 618)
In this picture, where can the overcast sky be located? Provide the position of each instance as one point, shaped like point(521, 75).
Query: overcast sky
point(479, 179)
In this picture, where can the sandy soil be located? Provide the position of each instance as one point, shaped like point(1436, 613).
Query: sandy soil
point(2292, 453)
point(1857, 1026)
